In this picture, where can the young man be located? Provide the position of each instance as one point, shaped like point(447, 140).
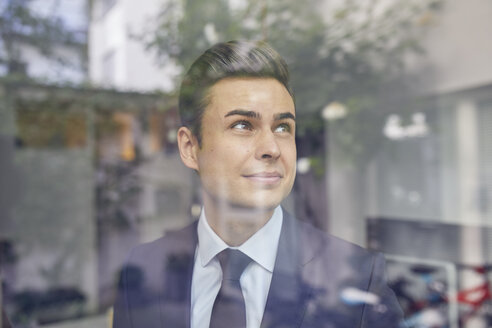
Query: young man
point(247, 262)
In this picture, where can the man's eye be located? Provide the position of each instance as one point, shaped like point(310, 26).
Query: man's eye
point(242, 125)
point(284, 127)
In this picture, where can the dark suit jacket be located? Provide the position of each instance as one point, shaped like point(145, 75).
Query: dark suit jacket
point(311, 271)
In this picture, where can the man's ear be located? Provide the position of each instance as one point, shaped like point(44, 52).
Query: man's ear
point(188, 147)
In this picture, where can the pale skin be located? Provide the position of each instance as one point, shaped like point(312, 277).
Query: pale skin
point(247, 158)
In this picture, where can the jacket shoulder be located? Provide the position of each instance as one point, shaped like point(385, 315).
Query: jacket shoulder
point(174, 243)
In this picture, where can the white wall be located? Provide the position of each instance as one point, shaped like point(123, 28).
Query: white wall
point(134, 67)
point(458, 48)
point(106, 35)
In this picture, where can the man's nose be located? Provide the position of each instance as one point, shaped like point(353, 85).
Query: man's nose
point(267, 146)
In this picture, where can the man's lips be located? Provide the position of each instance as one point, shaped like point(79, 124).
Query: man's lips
point(264, 177)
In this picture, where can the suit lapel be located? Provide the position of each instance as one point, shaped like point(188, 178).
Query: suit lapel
point(288, 294)
point(176, 299)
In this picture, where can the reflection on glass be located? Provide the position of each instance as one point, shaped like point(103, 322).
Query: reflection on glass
point(393, 148)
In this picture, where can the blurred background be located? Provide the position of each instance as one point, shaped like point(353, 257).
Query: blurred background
point(394, 107)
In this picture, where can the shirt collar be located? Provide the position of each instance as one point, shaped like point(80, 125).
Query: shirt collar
point(261, 247)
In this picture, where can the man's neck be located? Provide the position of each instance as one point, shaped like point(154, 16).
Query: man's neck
point(235, 225)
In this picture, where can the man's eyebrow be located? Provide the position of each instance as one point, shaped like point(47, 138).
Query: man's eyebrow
point(242, 112)
point(283, 116)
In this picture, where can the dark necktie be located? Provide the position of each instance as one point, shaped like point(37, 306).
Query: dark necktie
point(229, 308)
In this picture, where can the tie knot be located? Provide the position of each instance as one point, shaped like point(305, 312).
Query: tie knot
point(233, 262)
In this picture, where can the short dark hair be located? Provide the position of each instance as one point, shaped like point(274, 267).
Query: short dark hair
point(223, 60)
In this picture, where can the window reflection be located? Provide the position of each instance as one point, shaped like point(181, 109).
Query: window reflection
point(85, 175)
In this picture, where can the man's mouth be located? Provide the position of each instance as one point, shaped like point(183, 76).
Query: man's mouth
point(265, 177)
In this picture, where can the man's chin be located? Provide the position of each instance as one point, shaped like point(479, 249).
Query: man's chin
point(252, 202)
point(253, 205)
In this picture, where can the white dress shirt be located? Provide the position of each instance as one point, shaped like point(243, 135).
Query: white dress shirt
point(255, 280)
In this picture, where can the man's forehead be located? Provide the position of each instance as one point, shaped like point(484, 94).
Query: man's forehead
point(244, 92)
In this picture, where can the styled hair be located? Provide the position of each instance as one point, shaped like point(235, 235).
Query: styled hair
point(225, 60)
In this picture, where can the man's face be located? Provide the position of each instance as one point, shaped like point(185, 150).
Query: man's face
point(248, 152)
